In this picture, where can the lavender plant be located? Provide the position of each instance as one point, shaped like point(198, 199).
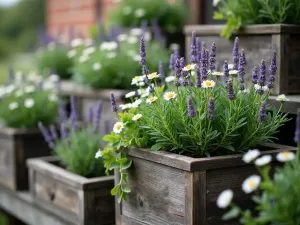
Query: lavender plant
point(205, 113)
point(24, 102)
point(77, 145)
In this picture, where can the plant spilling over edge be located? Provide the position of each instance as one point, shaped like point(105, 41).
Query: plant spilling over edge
point(198, 111)
point(77, 144)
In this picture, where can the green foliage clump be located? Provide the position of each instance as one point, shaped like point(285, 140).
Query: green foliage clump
point(54, 58)
point(170, 17)
point(24, 103)
point(239, 13)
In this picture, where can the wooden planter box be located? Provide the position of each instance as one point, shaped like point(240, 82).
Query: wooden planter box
point(76, 199)
point(17, 145)
point(258, 42)
point(179, 190)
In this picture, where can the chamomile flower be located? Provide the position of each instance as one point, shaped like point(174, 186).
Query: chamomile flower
point(139, 13)
point(136, 31)
point(141, 84)
point(96, 66)
point(137, 79)
point(251, 155)
point(19, 93)
point(225, 199)
point(53, 97)
point(264, 160)
point(258, 87)
point(127, 10)
point(125, 106)
point(83, 58)
point(136, 117)
point(29, 89)
point(13, 105)
point(29, 103)
point(98, 154)
point(53, 78)
point(218, 73)
point(230, 66)
point(109, 46)
point(111, 55)
point(89, 50)
point(169, 95)
point(170, 79)
point(136, 58)
point(285, 156)
point(189, 67)
point(132, 40)
point(76, 42)
point(136, 103)
point(282, 98)
point(151, 99)
point(122, 37)
point(233, 72)
point(251, 184)
point(153, 75)
point(130, 94)
point(118, 127)
point(208, 84)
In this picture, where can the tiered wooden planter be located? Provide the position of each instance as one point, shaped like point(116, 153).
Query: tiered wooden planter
point(258, 42)
point(77, 199)
point(179, 190)
point(17, 145)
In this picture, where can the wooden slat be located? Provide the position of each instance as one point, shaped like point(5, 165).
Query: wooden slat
point(290, 106)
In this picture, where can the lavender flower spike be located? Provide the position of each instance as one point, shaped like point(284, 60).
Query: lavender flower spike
point(97, 117)
point(198, 47)
point(297, 131)
point(231, 94)
point(262, 112)
point(235, 53)
point(273, 66)
point(53, 132)
point(63, 131)
point(198, 78)
point(211, 109)
point(241, 72)
point(113, 103)
point(90, 114)
point(73, 108)
point(177, 68)
point(45, 132)
point(213, 54)
point(142, 49)
point(193, 49)
point(243, 57)
point(226, 69)
point(262, 76)
point(191, 109)
point(254, 75)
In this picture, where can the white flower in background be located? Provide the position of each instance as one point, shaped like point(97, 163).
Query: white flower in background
point(29, 89)
point(258, 87)
point(127, 10)
point(136, 103)
point(282, 98)
point(208, 84)
point(139, 13)
point(265, 88)
point(151, 99)
point(32, 76)
point(71, 53)
point(136, 31)
point(96, 66)
point(132, 40)
point(141, 84)
point(218, 73)
point(170, 95)
point(88, 42)
point(146, 94)
point(130, 94)
point(2, 91)
point(9, 88)
point(216, 2)
point(53, 78)
point(111, 55)
point(264, 160)
point(19, 77)
point(118, 127)
point(48, 85)
point(29, 103)
point(122, 37)
point(109, 45)
point(153, 76)
point(76, 42)
point(189, 67)
point(19, 93)
point(53, 97)
point(251, 184)
point(136, 117)
point(98, 154)
point(170, 79)
point(13, 105)
point(224, 199)
point(131, 53)
point(89, 50)
point(136, 58)
point(126, 106)
point(251, 155)
point(174, 47)
point(233, 72)
point(230, 66)
point(147, 36)
point(245, 91)
point(137, 79)
point(51, 46)
point(285, 156)
point(83, 58)
point(193, 72)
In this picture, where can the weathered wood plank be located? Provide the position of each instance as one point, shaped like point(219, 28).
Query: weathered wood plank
point(290, 106)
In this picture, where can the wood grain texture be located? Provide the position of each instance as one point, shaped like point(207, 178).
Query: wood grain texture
point(77, 199)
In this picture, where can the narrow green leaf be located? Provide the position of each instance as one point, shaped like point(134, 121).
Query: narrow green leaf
point(233, 213)
point(156, 147)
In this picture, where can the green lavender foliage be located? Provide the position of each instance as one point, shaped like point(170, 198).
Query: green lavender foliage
point(54, 58)
point(77, 152)
point(239, 13)
point(170, 17)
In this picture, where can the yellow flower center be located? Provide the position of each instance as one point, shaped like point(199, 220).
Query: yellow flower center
point(188, 67)
point(170, 95)
point(208, 83)
point(118, 126)
point(137, 78)
point(251, 184)
point(152, 99)
point(285, 154)
point(218, 73)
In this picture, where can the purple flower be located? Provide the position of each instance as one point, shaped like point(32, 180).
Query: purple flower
point(45, 132)
point(270, 85)
point(191, 109)
point(62, 113)
point(262, 76)
point(211, 109)
point(241, 72)
point(262, 115)
point(235, 53)
point(225, 69)
point(184, 82)
point(212, 59)
point(53, 132)
point(97, 117)
point(297, 131)
point(243, 58)
point(90, 114)
point(73, 108)
point(198, 78)
point(142, 51)
point(177, 83)
point(113, 103)
point(171, 62)
point(231, 94)
point(273, 66)
point(182, 65)
point(151, 89)
point(254, 75)
point(63, 131)
point(145, 70)
point(241, 86)
point(106, 127)
point(176, 54)
point(198, 47)
point(177, 68)
point(193, 48)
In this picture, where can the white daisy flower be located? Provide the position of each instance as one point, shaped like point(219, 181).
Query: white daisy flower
point(139, 13)
point(98, 154)
point(13, 105)
point(122, 37)
point(83, 58)
point(169, 95)
point(137, 79)
point(225, 199)
point(189, 67)
point(53, 78)
point(127, 10)
point(136, 117)
point(146, 94)
point(88, 51)
point(136, 58)
point(125, 106)
point(136, 31)
point(136, 103)
point(151, 99)
point(233, 72)
point(264, 160)
point(10, 88)
point(71, 53)
point(251, 155)
point(118, 127)
point(282, 98)
point(208, 84)
point(96, 66)
point(230, 66)
point(132, 40)
point(285, 156)
point(147, 36)
point(48, 85)
point(170, 79)
point(141, 84)
point(19, 93)
point(218, 73)
point(88, 42)
point(76, 42)
point(109, 45)
point(29, 103)
point(258, 87)
point(29, 89)
point(153, 75)
point(111, 55)
point(130, 94)
point(174, 47)
point(53, 97)
point(251, 184)
point(265, 88)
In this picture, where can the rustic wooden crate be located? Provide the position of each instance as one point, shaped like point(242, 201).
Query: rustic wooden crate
point(77, 199)
point(179, 190)
point(17, 145)
point(258, 42)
